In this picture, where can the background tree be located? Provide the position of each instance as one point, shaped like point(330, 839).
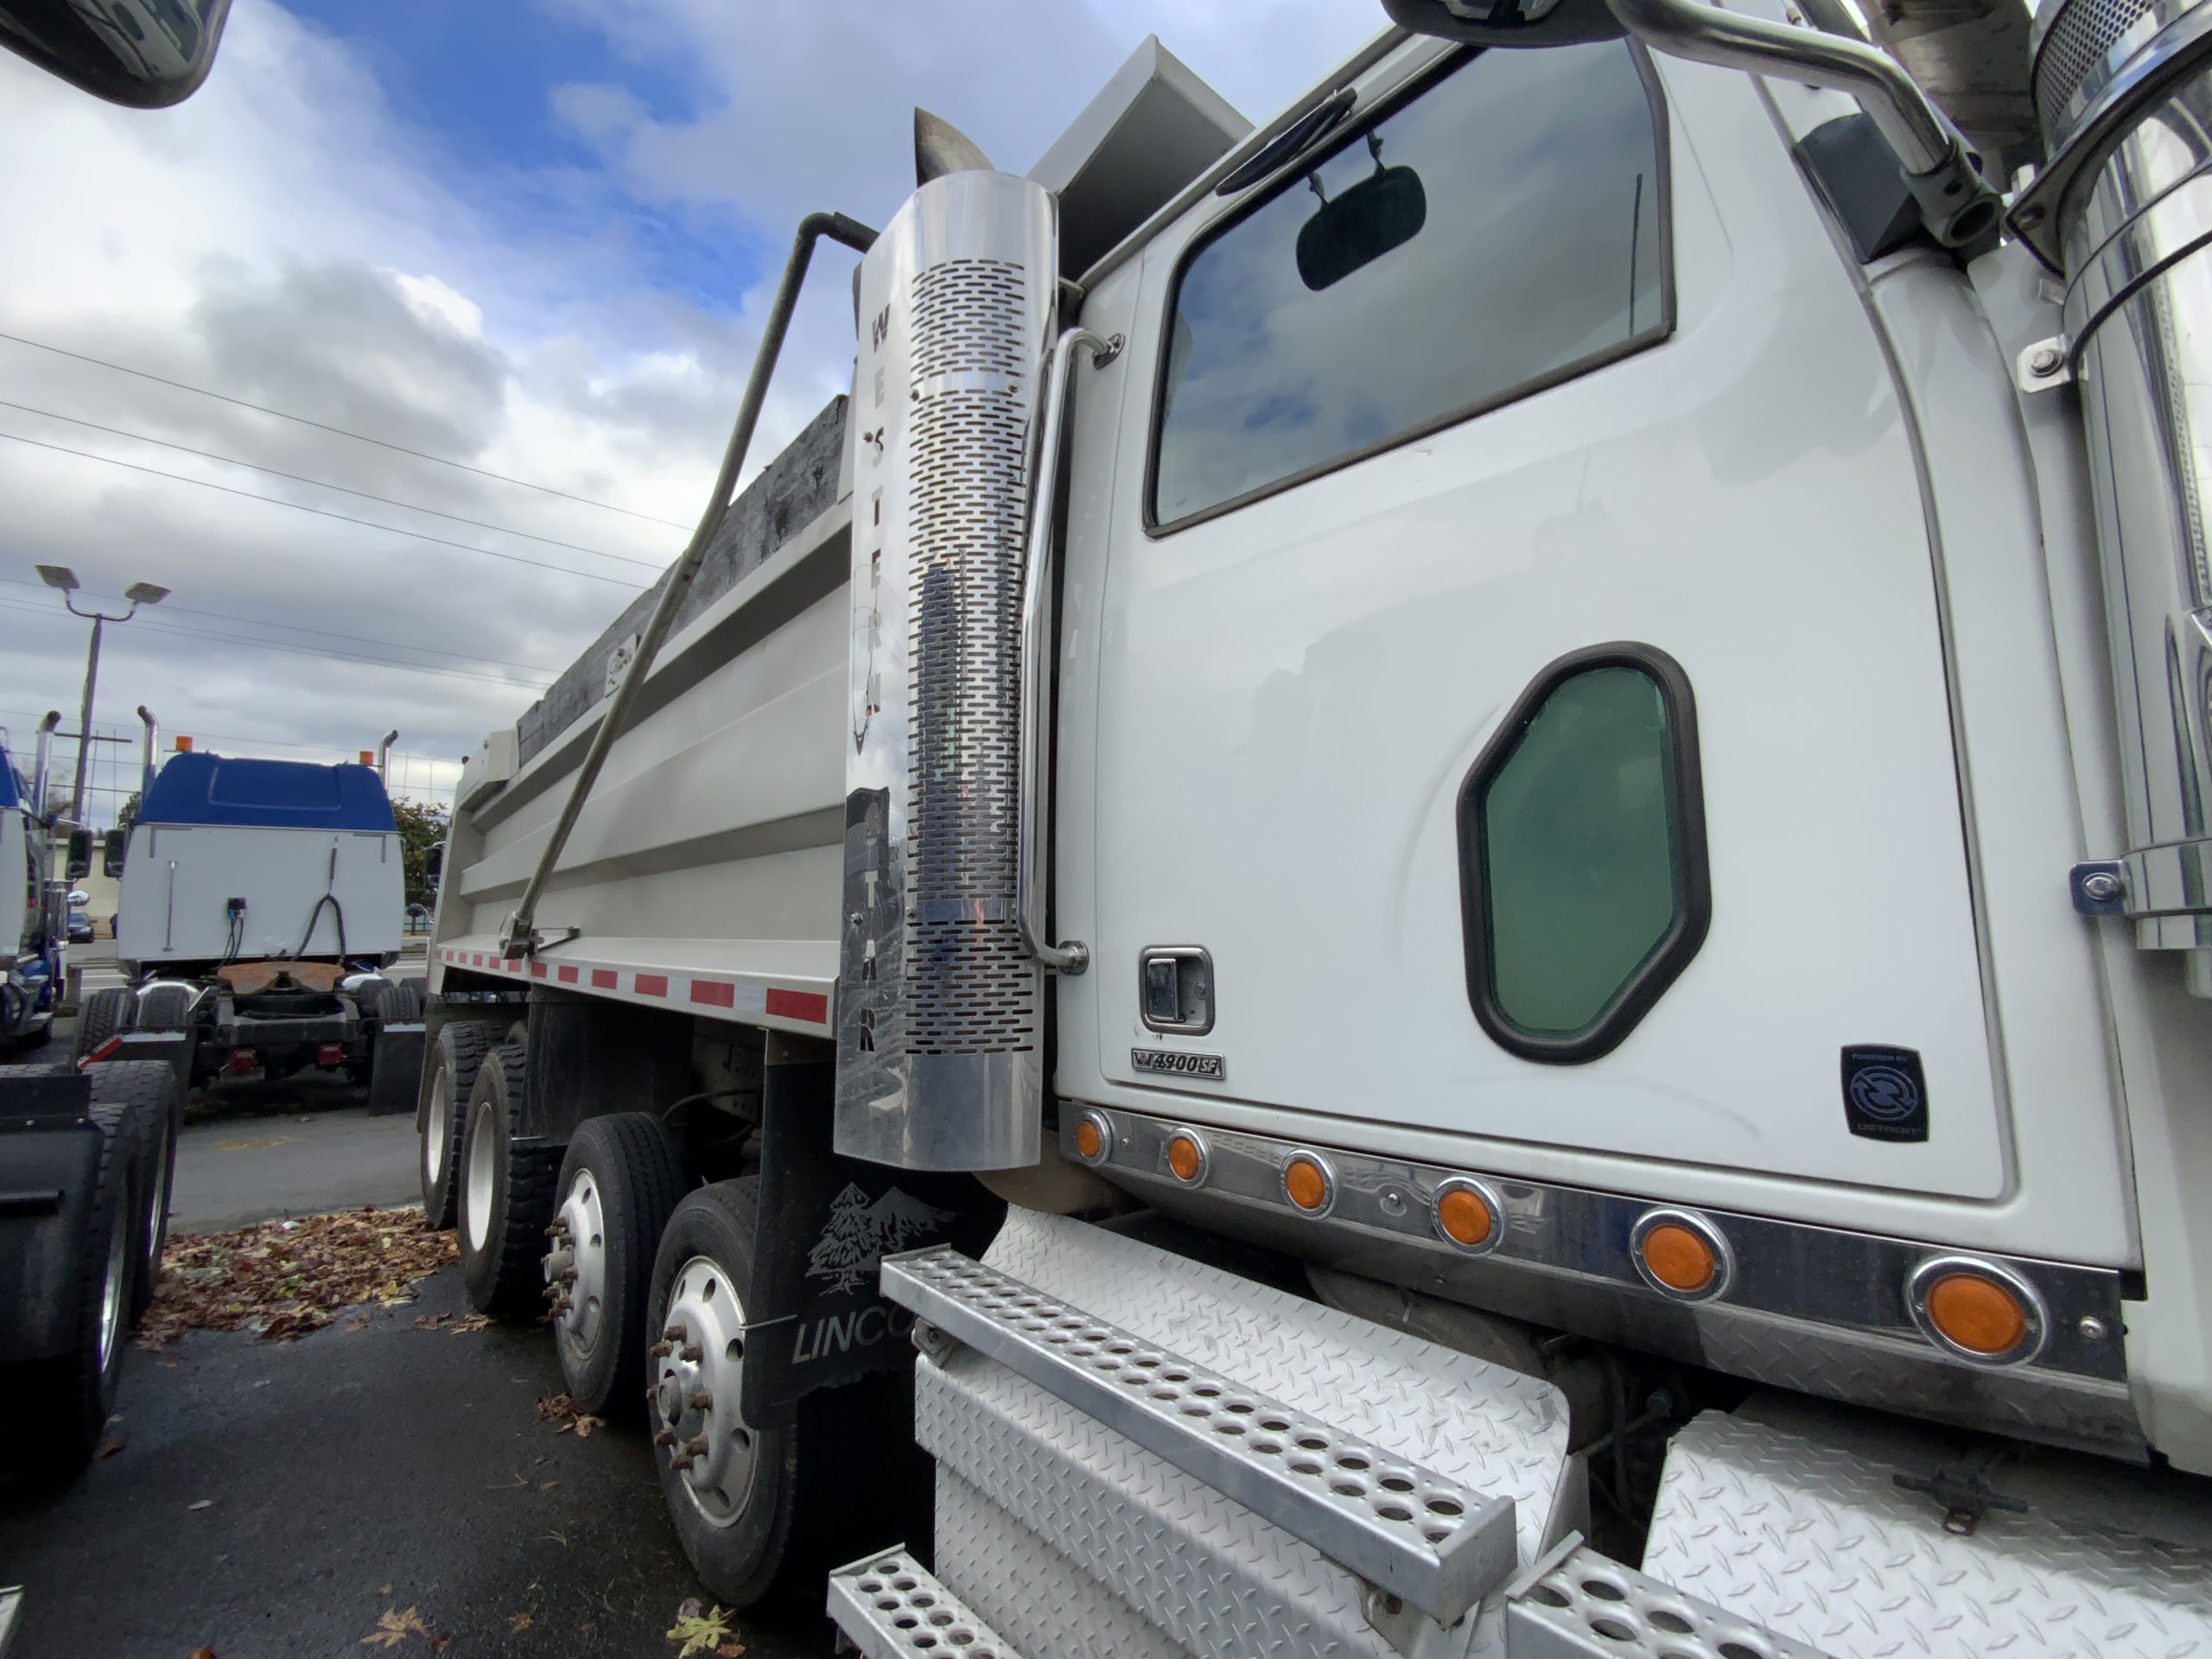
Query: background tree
point(421, 827)
point(127, 814)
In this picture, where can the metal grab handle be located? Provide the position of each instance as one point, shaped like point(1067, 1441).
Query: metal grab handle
point(1036, 662)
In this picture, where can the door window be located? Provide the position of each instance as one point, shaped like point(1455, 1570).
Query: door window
point(1582, 855)
point(1500, 230)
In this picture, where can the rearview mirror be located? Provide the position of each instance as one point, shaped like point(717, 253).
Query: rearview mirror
point(1508, 22)
point(113, 845)
point(434, 864)
point(148, 53)
point(1382, 212)
point(80, 862)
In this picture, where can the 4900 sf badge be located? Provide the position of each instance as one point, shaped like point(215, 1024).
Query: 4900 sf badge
point(1168, 1063)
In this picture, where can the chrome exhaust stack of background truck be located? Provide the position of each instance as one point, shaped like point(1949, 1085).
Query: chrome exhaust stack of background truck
point(2123, 208)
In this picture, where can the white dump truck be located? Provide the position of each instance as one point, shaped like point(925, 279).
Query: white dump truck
point(261, 901)
point(1439, 887)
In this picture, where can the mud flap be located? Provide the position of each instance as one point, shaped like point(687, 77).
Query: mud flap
point(826, 1223)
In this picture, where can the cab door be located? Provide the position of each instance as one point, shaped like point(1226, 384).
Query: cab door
point(1502, 670)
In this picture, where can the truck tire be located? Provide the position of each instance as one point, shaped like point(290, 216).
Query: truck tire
point(764, 1513)
point(141, 1096)
point(621, 1178)
point(58, 1408)
point(165, 1007)
point(506, 1194)
point(102, 1015)
point(398, 1003)
point(442, 1114)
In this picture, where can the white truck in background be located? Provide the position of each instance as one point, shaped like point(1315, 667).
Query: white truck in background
point(261, 900)
point(1461, 845)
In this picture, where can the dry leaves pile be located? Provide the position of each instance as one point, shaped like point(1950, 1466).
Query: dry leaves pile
point(284, 1279)
point(559, 1408)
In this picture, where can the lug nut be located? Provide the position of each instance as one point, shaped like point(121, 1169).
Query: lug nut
point(693, 1353)
point(696, 1446)
point(666, 1437)
point(556, 1227)
point(551, 1291)
point(675, 1333)
point(659, 1351)
point(701, 1402)
point(680, 1463)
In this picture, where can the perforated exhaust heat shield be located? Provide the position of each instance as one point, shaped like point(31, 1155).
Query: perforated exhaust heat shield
point(939, 1011)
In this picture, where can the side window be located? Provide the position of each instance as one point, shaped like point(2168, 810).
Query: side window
point(1582, 855)
point(1503, 228)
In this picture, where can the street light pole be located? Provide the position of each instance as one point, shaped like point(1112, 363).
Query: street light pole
point(137, 594)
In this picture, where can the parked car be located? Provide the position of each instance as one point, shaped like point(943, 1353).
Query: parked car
point(418, 918)
point(80, 925)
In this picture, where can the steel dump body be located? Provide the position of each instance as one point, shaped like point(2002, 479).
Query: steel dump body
point(704, 871)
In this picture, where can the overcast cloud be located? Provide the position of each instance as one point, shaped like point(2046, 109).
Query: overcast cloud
point(317, 232)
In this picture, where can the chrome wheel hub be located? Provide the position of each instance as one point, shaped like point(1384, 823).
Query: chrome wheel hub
point(476, 1171)
point(575, 1267)
point(437, 1127)
point(696, 1366)
point(115, 1289)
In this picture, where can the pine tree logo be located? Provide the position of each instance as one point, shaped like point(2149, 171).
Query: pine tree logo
point(860, 1235)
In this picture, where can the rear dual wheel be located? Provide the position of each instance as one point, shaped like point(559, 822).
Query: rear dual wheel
point(442, 1114)
point(764, 1512)
point(504, 1193)
point(620, 1178)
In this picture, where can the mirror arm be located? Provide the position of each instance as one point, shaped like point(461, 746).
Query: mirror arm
point(1957, 204)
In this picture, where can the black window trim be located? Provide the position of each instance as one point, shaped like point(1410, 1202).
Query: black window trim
point(1354, 132)
point(1685, 812)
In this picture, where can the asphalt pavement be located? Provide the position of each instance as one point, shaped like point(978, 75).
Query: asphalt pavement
point(277, 1500)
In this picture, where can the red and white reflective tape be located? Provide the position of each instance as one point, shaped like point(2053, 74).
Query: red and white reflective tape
point(737, 997)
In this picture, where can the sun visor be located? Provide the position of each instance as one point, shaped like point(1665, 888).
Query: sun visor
point(1155, 127)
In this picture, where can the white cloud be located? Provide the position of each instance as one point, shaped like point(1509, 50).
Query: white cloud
point(286, 237)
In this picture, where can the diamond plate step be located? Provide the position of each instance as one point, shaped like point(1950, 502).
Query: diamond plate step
point(889, 1607)
point(1412, 1532)
point(1581, 1602)
point(1809, 1537)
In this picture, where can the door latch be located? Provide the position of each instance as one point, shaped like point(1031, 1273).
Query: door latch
point(1175, 988)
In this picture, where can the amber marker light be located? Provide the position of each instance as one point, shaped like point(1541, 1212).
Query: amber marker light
point(1091, 1138)
point(1467, 1214)
point(1680, 1254)
point(1186, 1158)
point(1307, 1184)
point(1977, 1311)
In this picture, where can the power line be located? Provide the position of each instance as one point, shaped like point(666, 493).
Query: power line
point(325, 484)
point(145, 626)
point(401, 448)
point(169, 608)
point(325, 512)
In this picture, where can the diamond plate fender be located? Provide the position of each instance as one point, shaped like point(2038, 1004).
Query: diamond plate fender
point(1491, 1429)
point(1818, 1543)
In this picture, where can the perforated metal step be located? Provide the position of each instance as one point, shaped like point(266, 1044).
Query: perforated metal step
point(1581, 1602)
point(889, 1607)
point(1410, 1531)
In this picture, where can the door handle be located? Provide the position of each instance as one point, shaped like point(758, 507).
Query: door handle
point(1031, 839)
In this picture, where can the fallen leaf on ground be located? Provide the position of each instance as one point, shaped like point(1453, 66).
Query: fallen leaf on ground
point(111, 1445)
point(699, 1632)
point(729, 1650)
point(456, 1322)
point(518, 1622)
point(359, 1322)
point(385, 1591)
point(200, 1653)
point(394, 1628)
point(284, 1279)
point(440, 1642)
point(203, 1503)
point(569, 1417)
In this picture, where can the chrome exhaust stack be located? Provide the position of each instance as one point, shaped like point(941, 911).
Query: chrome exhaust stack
point(2124, 210)
point(42, 768)
point(940, 1007)
point(149, 747)
point(384, 755)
